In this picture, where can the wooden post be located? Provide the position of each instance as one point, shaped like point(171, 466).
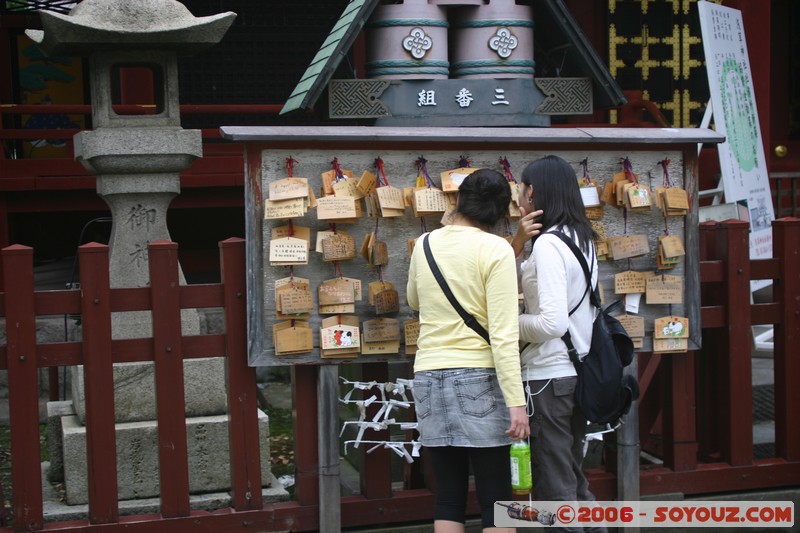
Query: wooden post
point(713, 342)
point(245, 451)
point(376, 467)
point(735, 371)
point(98, 371)
point(628, 447)
point(680, 440)
point(785, 239)
point(173, 460)
point(330, 508)
point(306, 443)
point(23, 388)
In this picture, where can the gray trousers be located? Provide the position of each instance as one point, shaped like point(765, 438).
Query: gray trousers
point(557, 431)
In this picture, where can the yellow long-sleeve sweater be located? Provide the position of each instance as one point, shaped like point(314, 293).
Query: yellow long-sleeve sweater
point(481, 271)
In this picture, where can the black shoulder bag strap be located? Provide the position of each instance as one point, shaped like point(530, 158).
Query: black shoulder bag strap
point(468, 319)
point(593, 297)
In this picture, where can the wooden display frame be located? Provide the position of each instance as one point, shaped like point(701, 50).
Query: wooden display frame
point(357, 147)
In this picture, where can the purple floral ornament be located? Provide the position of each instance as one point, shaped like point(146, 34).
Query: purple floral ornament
point(503, 42)
point(417, 43)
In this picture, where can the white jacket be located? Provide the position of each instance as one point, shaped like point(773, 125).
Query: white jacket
point(553, 282)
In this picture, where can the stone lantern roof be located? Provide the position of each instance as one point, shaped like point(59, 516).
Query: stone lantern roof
point(129, 25)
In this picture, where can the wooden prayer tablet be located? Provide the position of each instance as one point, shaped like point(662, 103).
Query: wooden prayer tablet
point(664, 289)
point(381, 329)
point(324, 234)
point(366, 246)
point(671, 327)
point(338, 247)
point(284, 285)
point(625, 246)
point(672, 245)
point(288, 188)
point(638, 197)
point(380, 254)
point(676, 199)
point(447, 216)
point(292, 337)
point(590, 195)
point(334, 338)
point(629, 282)
point(282, 209)
point(670, 345)
point(513, 210)
point(411, 332)
point(374, 287)
point(329, 177)
point(429, 200)
point(387, 301)
point(339, 336)
point(595, 213)
point(312, 199)
point(410, 243)
point(298, 232)
point(356, 287)
point(601, 248)
point(599, 228)
point(336, 208)
point(634, 325)
point(288, 251)
point(336, 291)
point(347, 187)
point(390, 198)
point(296, 301)
point(607, 197)
point(367, 183)
point(452, 179)
point(408, 196)
point(380, 347)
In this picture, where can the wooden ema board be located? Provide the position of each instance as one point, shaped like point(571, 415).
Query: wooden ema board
point(640, 246)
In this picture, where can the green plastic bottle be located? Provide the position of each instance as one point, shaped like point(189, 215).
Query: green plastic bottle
point(521, 477)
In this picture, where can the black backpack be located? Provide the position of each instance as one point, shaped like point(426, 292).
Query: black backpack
point(603, 393)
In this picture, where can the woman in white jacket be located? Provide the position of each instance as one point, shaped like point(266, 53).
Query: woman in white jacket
point(553, 284)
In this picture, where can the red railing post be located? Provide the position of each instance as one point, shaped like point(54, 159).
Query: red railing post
point(735, 373)
point(98, 371)
point(706, 363)
point(786, 290)
point(173, 461)
point(243, 434)
point(680, 446)
point(23, 388)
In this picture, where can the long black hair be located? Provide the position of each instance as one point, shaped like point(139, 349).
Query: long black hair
point(483, 197)
point(556, 192)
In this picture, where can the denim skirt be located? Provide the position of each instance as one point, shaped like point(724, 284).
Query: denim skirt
point(460, 407)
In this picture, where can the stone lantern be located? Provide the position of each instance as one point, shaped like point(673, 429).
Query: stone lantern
point(136, 159)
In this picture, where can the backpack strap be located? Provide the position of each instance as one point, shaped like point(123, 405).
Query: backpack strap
point(468, 319)
point(593, 296)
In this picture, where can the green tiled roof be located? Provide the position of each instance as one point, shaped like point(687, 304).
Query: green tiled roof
point(330, 54)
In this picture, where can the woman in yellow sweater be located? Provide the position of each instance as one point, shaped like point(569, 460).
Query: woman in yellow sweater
point(468, 392)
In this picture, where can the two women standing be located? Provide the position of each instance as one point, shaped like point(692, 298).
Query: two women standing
point(469, 393)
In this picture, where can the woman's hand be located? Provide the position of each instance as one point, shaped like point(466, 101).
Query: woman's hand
point(526, 229)
point(520, 428)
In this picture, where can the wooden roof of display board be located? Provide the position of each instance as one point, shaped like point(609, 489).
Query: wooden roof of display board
point(556, 30)
point(330, 54)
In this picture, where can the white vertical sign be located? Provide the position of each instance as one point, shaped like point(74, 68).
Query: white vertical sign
point(741, 156)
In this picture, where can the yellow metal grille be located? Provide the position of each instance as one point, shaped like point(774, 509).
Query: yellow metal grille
point(655, 47)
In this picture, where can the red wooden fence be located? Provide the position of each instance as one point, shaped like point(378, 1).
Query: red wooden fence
point(714, 382)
